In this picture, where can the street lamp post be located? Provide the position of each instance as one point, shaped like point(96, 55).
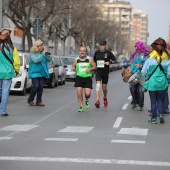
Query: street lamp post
point(1, 21)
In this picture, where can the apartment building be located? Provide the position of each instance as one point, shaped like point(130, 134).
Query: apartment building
point(118, 12)
point(139, 30)
point(168, 37)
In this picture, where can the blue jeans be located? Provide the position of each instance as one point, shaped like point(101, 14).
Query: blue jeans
point(166, 101)
point(156, 98)
point(5, 85)
point(36, 89)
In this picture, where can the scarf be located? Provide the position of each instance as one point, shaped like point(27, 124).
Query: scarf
point(157, 56)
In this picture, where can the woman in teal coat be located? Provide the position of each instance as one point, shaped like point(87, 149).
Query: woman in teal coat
point(38, 70)
point(157, 70)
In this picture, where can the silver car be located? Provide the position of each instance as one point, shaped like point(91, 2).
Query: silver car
point(61, 68)
point(22, 83)
point(70, 74)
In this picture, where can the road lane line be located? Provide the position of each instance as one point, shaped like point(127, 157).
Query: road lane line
point(85, 160)
point(62, 139)
point(125, 106)
point(117, 123)
point(5, 138)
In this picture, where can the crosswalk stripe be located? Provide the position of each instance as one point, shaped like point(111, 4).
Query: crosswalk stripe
point(128, 141)
point(62, 139)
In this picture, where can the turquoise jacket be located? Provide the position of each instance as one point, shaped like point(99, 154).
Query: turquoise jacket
point(138, 59)
point(7, 70)
point(158, 80)
point(38, 65)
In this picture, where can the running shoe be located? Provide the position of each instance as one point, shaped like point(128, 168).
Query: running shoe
point(87, 104)
point(97, 104)
point(81, 109)
point(105, 102)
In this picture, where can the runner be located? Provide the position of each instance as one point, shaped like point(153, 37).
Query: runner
point(83, 65)
point(102, 59)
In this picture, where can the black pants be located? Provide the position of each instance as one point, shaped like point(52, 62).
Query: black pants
point(138, 94)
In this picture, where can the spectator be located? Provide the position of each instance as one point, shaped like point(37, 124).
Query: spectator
point(38, 70)
point(138, 58)
point(9, 67)
point(157, 70)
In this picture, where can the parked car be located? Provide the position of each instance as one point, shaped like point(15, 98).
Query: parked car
point(120, 65)
point(72, 55)
point(61, 68)
point(54, 73)
point(22, 83)
point(70, 74)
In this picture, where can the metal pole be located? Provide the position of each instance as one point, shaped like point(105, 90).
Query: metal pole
point(69, 26)
point(1, 18)
point(93, 42)
point(37, 21)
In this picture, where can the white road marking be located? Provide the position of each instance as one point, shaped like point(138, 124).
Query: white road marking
point(117, 123)
point(133, 131)
point(18, 128)
point(46, 117)
point(5, 138)
point(130, 97)
point(84, 160)
point(76, 129)
point(125, 106)
point(128, 141)
point(62, 139)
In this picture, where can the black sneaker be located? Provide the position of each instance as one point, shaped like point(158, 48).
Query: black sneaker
point(141, 109)
point(4, 115)
point(134, 106)
point(161, 118)
point(166, 112)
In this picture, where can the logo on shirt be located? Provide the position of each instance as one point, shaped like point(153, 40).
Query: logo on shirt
point(105, 55)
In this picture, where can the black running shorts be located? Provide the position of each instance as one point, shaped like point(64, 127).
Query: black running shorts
point(83, 82)
point(104, 77)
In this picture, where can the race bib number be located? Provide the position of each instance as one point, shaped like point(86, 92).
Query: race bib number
point(82, 67)
point(100, 63)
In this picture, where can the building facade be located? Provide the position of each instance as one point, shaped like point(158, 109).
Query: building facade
point(139, 29)
point(117, 11)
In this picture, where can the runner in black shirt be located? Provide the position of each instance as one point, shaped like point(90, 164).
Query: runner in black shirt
point(102, 58)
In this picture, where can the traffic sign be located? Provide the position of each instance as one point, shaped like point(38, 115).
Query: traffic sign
point(37, 27)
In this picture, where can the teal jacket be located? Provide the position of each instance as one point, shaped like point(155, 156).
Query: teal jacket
point(158, 80)
point(138, 59)
point(7, 70)
point(38, 65)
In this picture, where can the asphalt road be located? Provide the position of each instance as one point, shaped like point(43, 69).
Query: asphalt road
point(57, 137)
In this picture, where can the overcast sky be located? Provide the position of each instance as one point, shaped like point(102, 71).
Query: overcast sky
point(158, 16)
